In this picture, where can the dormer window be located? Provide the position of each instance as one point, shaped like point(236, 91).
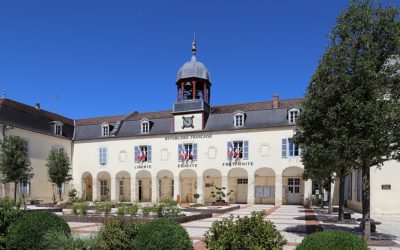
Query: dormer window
point(238, 119)
point(57, 127)
point(105, 130)
point(293, 114)
point(145, 126)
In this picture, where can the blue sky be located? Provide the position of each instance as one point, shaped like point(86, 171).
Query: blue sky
point(96, 57)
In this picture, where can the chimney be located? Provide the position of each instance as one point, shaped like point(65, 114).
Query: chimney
point(275, 101)
point(37, 106)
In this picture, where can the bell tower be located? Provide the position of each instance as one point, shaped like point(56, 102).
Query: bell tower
point(192, 106)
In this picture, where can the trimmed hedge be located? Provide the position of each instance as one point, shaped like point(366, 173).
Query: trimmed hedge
point(162, 234)
point(117, 234)
point(237, 233)
point(28, 232)
point(332, 240)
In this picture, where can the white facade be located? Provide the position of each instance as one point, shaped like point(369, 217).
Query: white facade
point(264, 167)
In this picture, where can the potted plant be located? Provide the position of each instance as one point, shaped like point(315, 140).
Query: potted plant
point(220, 194)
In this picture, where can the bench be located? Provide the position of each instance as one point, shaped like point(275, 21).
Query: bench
point(373, 223)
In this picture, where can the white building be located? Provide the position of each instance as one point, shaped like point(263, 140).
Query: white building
point(192, 149)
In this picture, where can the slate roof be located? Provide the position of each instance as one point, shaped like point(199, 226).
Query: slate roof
point(16, 114)
point(257, 115)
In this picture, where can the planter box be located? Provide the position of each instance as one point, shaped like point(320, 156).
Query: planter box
point(211, 209)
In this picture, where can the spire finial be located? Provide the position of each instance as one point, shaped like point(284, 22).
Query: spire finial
point(194, 48)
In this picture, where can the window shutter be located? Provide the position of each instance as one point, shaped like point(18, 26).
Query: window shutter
point(105, 155)
point(194, 153)
point(284, 148)
point(245, 150)
point(100, 155)
point(179, 151)
point(28, 186)
point(229, 146)
point(149, 153)
point(137, 152)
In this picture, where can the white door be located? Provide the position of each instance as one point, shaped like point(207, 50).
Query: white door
point(294, 191)
point(241, 191)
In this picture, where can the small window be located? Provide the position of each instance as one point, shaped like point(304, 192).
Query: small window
point(145, 127)
point(293, 114)
point(105, 130)
point(238, 120)
point(57, 127)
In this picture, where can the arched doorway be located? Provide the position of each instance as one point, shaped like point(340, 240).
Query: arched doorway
point(123, 184)
point(264, 182)
point(143, 186)
point(165, 184)
point(104, 186)
point(87, 186)
point(238, 182)
point(293, 185)
point(212, 179)
point(188, 179)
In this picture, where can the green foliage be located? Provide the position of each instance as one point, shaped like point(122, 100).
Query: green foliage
point(14, 161)
point(332, 240)
point(82, 208)
point(121, 210)
point(244, 233)
point(133, 209)
point(221, 193)
point(162, 234)
point(61, 241)
point(146, 210)
point(58, 169)
point(350, 113)
point(117, 234)
point(73, 195)
point(9, 214)
point(28, 232)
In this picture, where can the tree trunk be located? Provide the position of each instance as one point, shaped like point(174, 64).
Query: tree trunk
point(330, 197)
point(59, 192)
point(15, 192)
point(341, 196)
point(321, 194)
point(366, 220)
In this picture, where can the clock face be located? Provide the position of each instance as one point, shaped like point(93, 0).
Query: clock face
point(187, 121)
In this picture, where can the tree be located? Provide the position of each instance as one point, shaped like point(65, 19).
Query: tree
point(58, 169)
point(14, 162)
point(363, 83)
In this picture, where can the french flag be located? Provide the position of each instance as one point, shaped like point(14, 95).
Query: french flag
point(229, 151)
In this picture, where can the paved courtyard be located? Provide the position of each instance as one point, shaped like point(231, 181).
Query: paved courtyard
point(294, 222)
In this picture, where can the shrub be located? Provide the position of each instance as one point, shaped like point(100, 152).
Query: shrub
point(327, 240)
point(244, 233)
point(162, 234)
point(28, 232)
point(146, 210)
point(9, 214)
point(61, 241)
point(132, 210)
point(73, 195)
point(117, 234)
